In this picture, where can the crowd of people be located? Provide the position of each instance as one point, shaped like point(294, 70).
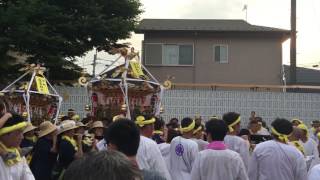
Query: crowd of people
point(145, 147)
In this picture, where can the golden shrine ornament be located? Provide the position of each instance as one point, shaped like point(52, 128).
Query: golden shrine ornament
point(83, 81)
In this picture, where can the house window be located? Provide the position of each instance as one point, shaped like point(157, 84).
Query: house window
point(169, 54)
point(220, 53)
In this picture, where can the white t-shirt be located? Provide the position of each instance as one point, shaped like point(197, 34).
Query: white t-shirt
point(183, 152)
point(218, 165)
point(240, 146)
point(273, 160)
point(20, 171)
point(149, 157)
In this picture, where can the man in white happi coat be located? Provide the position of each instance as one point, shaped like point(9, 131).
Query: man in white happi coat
point(217, 162)
point(315, 130)
point(11, 135)
point(183, 151)
point(275, 159)
point(197, 137)
point(314, 173)
point(310, 147)
point(233, 142)
point(149, 156)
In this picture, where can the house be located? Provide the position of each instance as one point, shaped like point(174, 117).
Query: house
point(212, 51)
point(305, 77)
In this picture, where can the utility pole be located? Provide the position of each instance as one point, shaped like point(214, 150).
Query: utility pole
point(293, 45)
point(94, 63)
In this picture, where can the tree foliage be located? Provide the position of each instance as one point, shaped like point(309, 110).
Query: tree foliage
point(56, 31)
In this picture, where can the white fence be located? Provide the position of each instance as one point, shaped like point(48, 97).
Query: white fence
point(73, 98)
point(268, 105)
point(182, 103)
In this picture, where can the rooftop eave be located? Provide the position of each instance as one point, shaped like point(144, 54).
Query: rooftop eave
point(283, 33)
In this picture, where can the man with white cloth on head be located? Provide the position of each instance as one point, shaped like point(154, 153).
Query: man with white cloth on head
point(233, 142)
point(149, 156)
point(217, 162)
point(275, 159)
point(183, 152)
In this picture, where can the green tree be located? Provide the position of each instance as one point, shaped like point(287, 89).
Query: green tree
point(55, 32)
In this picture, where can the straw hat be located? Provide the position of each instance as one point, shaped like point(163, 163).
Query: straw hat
point(46, 128)
point(80, 124)
point(29, 128)
point(120, 116)
point(66, 126)
point(97, 124)
point(71, 111)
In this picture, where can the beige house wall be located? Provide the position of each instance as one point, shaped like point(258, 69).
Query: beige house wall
point(251, 60)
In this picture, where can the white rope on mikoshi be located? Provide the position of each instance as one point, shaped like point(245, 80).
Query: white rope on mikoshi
point(42, 83)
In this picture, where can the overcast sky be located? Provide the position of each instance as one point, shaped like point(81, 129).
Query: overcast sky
point(273, 13)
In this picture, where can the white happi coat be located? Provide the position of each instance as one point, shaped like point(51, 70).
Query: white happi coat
point(20, 171)
point(218, 165)
point(263, 131)
point(311, 150)
point(201, 143)
point(182, 155)
point(165, 151)
point(240, 146)
point(149, 157)
point(273, 160)
point(314, 173)
point(102, 145)
point(313, 136)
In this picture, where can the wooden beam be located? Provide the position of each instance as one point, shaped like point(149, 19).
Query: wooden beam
point(255, 86)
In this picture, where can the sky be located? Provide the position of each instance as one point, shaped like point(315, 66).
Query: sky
point(272, 13)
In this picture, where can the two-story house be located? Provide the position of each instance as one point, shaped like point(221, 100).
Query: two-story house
point(212, 51)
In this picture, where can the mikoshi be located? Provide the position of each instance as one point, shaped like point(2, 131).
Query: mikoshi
point(125, 88)
point(32, 96)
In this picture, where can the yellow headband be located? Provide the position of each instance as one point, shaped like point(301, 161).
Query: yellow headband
point(9, 129)
point(197, 130)
point(300, 122)
point(188, 128)
point(282, 137)
point(158, 132)
point(303, 127)
point(234, 123)
point(299, 146)
point(141, 121)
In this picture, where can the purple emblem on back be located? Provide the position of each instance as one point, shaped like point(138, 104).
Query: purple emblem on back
point(179, 150)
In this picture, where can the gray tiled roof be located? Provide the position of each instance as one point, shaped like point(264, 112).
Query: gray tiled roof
point(217, 25)
point(305, 75)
